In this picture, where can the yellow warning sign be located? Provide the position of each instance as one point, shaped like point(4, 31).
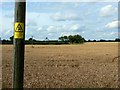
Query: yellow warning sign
point(19, 30)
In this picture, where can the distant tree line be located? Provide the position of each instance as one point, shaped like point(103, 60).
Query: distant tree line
point(102, 40)
point(71, 39)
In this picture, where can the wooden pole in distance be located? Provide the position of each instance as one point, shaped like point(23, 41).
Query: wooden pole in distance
point(19, 38)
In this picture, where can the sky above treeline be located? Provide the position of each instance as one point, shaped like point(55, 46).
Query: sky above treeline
point(92, 20)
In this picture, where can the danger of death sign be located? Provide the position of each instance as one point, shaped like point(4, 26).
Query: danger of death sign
point(19, 30)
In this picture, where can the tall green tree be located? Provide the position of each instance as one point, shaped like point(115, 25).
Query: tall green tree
point(61, 38)
point(71, 39)
point(11, 38)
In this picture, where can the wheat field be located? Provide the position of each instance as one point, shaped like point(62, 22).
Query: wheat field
point(89, 65)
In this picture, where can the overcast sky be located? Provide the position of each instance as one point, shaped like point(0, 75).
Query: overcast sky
point(53, 19)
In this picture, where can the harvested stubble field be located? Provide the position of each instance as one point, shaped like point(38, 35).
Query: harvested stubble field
point(93, 65)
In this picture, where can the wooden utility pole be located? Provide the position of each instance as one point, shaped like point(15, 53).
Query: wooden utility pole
point(19, 38)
